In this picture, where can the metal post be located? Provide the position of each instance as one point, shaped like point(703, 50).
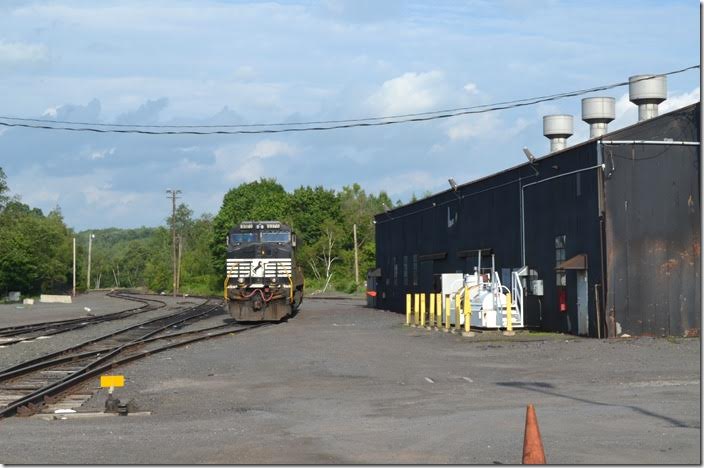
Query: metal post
point(178, 270)
point(74, 267)
point(467, 314)
point(456, 329)
point(447, 313)
point(90, 248)
point(509, 317)
point(408, 310)
point(416, 309)
point(356, 258)
point(422, 310)
point(438, 307)
point(431, 320)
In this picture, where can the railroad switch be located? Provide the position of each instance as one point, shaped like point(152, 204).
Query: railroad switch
point(114, 405)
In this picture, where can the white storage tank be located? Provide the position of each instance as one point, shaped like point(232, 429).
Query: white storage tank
point(647, 91)
point(598, 112)
point(558, 128)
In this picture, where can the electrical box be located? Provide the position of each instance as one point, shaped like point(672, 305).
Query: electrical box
point(537, 287)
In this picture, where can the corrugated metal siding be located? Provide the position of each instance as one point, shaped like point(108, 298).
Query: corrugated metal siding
point(653, 214)
point(489, 217)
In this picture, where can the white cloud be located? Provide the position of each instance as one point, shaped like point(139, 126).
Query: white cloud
point(12, 53)
point(406, 182)
point(471, 88)
point(677, 101)
point(485, 126)
point(245, 164)
point(410, 92)
point(245, 73)
point(101, 153)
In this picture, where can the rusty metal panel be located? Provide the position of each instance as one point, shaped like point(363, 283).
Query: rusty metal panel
point(652, 202)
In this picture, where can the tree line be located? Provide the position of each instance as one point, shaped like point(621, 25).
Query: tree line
point(36, 249)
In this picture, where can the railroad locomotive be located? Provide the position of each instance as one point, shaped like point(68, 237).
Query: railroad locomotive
point(263, 282)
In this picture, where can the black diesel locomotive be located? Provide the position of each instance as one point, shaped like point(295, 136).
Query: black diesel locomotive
point(263, 281)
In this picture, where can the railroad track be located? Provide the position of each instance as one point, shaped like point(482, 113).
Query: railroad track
point(38, 384)
point(20, 333)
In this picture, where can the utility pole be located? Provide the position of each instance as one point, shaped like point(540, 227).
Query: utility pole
point(74, 267)
point(173, 195)
point(91, 236)
point(356, 259)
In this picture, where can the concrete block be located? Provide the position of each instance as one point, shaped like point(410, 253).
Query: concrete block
point(55, 298)
point(13, 296)
point(28, 301)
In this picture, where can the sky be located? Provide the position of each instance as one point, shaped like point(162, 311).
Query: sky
point(237, 62)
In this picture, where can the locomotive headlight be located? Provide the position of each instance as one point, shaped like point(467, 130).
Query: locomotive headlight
point(240, 280)
point(273, 280)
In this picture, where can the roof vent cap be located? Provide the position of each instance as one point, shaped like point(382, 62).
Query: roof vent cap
point(647, 91)
point(598, 112)
point(558, 128)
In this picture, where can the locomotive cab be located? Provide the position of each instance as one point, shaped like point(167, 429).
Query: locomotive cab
point(263, 282)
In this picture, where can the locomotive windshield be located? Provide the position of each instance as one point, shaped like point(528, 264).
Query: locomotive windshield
point(276, 236)
point(243, 237)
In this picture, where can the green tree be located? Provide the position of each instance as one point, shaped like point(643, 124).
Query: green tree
point(35, 250)
point(264, 199)
point(4, 189)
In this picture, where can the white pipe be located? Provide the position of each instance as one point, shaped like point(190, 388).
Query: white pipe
point(650, 142)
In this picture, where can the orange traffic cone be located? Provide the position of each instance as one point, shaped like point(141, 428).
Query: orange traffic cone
point(533, 452)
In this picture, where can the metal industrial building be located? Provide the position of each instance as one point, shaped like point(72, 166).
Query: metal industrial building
point(609, 229)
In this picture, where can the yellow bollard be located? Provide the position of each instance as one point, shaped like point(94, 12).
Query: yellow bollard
point(509, 317)
point(422, 310)
point(438, 321)
point(467, 314)
point(431, 319)
point(416, 309)
point(447, 313)
point(408, 310)
point(458, 326)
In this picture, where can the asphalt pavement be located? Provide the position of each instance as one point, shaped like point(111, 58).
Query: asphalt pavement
point(341, 383)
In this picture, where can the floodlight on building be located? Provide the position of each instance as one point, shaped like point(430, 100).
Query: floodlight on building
point(453, 184)
point(528, 154)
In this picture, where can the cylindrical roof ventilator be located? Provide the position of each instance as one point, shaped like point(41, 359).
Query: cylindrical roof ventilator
point(557, 128)
point(647, 91)
point(598, 112)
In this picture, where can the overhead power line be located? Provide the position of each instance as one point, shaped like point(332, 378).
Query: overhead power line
point(291, 127)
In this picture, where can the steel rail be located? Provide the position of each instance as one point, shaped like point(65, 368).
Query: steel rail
point(37, 399)
point(49, 359)
point(62, 326)
point(99, 357)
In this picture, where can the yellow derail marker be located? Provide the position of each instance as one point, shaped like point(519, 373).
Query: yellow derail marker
point(112, 381)
point(408, 310)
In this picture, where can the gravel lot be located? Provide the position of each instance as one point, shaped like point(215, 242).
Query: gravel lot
point(340, 383)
